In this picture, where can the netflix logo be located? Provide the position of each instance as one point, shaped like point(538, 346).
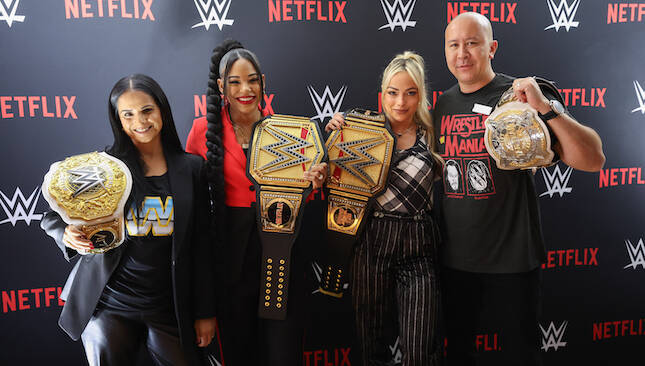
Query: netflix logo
point(28, 299)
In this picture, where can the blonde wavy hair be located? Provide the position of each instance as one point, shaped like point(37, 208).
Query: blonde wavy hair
point(413, 64)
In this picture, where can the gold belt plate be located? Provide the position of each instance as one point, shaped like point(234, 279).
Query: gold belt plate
point(90, 191)
point(515, 135)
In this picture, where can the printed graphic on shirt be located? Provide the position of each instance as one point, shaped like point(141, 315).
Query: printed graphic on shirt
point(154, 216)
point(454, 178)
point(478, 176)
point(468, 169)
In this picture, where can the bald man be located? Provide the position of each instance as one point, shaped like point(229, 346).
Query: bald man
point(493, 242)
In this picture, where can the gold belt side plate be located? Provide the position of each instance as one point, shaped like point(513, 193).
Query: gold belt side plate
point(279, 211)
point(515, 135)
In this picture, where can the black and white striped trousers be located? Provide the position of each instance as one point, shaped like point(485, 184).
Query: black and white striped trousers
point(395, 292)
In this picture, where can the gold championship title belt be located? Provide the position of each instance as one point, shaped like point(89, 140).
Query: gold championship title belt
point(515, 135)
point(360, 155)
point(90, 191)
point(282, 148)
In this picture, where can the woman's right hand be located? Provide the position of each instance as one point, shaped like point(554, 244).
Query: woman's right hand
point(75, 239)
point(336, 122)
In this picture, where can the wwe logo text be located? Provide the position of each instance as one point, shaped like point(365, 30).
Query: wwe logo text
point(327, 357)
point(496, 12)
point(356, 157)
point(86, 179)
point(397, 355)
point(618, 328)
point(213, 12)
point(39, 106)
point(284, 150)
point(636, 254)
point(212, 360)
point(307, 10)
point(640, 95)
point(199, 102)
point(8, 9)
point(552, 336)
point(620, 176)
point(617, 13)
point(326, 104)
point(398, 14)
point(126, 9)
point(593, 97)
point(20, 208)
point(26, 299)
point(557, 181)
point(563, 15)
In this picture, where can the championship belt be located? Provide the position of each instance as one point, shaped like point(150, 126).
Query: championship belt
point(360, 155)
point(515, 135)
point(282, 148)
point(89, 191)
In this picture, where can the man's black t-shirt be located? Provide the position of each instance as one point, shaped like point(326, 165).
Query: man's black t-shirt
point(143, 282)
point(491, 217)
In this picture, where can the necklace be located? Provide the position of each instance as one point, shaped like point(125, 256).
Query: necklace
point(404, 131)
point(241, 133)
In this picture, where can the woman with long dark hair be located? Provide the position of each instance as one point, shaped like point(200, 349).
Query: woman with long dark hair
point(154, 290)
point(234, 96)
point(394, 280)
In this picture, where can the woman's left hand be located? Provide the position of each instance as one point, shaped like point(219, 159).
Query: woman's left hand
point(204, 331)
point(316, 175)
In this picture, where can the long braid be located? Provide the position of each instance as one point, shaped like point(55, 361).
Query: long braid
point(214, 136)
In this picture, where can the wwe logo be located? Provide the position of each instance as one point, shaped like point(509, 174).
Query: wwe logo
point(636, 254)
point(8, 10)
point(20, 208)
point(398, 14)
point(327, 104)
point(213, 12)
point(397, 355)
point(552, 337)
point(563, 14)
point(318, 272)
point(557, 181)
point(212, 360)
point(640, 94)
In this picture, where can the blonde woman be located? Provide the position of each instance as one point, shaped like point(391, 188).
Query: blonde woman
point(395, 291)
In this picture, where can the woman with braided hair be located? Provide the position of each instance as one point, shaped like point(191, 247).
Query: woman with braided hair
point(234, 96)
point(394, 285)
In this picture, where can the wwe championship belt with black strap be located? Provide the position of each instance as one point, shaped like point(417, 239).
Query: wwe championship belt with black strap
point(515, 135)
point(360, 155)
point(282, 148)
point(90, 191)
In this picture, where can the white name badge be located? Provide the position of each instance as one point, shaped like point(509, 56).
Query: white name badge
point(482, 109)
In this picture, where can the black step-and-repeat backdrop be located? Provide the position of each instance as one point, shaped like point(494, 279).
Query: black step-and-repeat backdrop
point(59, 59)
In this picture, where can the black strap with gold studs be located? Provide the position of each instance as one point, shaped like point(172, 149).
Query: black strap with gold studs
point(281, 149)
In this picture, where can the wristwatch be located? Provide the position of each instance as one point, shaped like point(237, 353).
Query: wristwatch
point(556, 109)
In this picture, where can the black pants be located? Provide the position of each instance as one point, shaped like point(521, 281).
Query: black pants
point(492, 319)
point(112, 338)
point(248, 340)
point(395, 292)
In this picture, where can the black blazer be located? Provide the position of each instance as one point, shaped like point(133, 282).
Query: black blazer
point(192, 277)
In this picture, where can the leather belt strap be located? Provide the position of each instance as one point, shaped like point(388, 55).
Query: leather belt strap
point(282, 148)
